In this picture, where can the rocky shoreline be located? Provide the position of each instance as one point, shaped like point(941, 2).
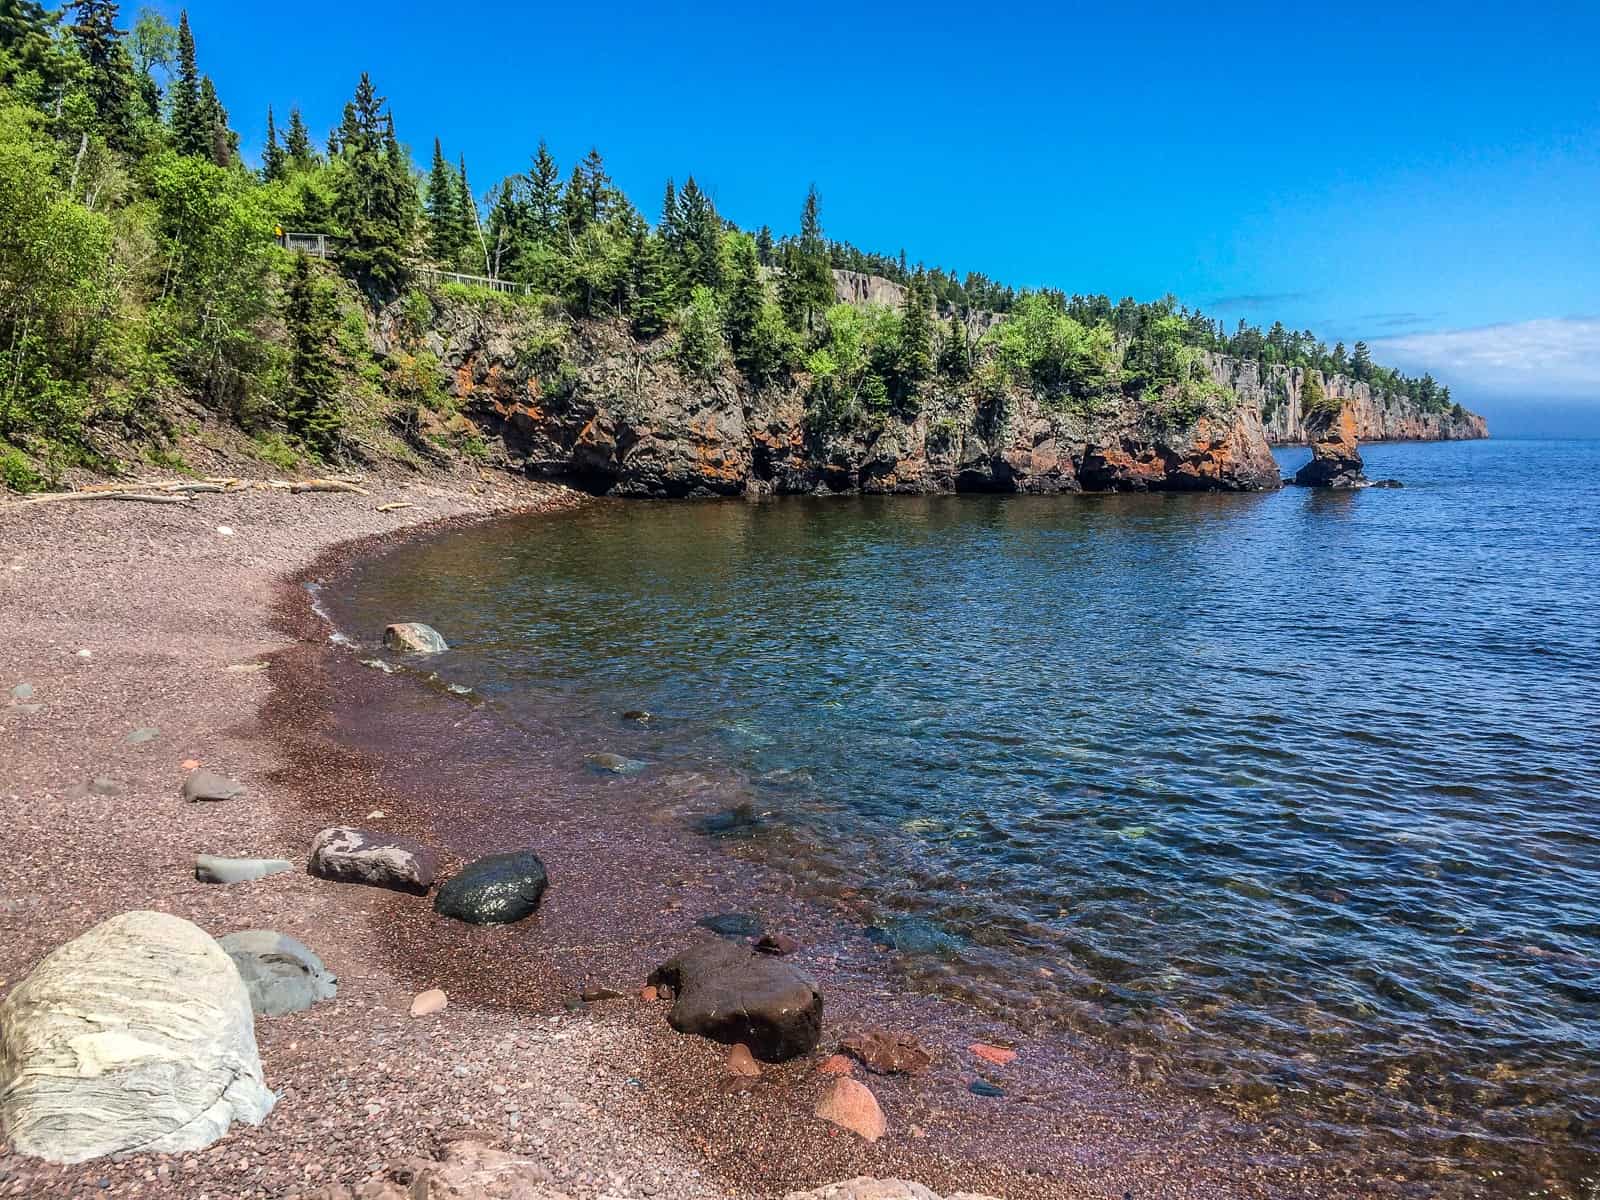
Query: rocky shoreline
point(177, 618)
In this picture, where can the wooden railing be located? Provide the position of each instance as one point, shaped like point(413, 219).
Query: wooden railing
point(318, 245)
point(482, 281)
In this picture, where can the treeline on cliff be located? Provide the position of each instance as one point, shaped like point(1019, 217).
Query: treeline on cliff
point(139, 263)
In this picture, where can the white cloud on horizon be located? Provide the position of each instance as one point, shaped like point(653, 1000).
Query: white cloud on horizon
point(1549, 357)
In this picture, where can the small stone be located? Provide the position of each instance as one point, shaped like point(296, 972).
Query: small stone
point(982, 1087)
point(742, 1062)
point(376, 814)
point(649, 995)
point(593, 995)
point(429, 1002)
point(837, 1064)
point(636, 714)
point(209, 786)
point(413, 637)
point(189, 764)
point(211, 868)
point(776, 943)
point(225, 530)
point(851, 1105)
point(85, 654)
point(998, 1055)
point(23, 691)
point(140, 736)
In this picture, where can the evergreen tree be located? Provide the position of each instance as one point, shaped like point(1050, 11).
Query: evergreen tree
point(575, 203)
point(914, 353)
point(27, 45)
point(349, 131)
point(469, 234)
point(444, 209)
point(109, 81)
point(955, 350)
point(190, 133)
point(654, 297)
point(221, 142)
point(310, 406)
point(375, 197)
point(668, 227)
point(597, 189)
point(297, 144)
point(746, 294)
point(544, 196)
point(1361, 362)
point(806, 288)
point(273, 159)
point(699, 238)
point(764, 246)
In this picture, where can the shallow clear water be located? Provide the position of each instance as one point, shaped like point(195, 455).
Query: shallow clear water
point(1293, 795)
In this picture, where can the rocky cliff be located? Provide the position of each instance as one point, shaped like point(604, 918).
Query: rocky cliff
point(1378, 416)
point(618, 417)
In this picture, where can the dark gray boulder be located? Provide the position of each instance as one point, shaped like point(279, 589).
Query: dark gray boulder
point(347, 855)
point(495, 890)
point(281, 974)
point(728, 993)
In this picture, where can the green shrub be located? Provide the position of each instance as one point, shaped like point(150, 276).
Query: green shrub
point(700, 349)
point(1066, 363)
point(16, 472)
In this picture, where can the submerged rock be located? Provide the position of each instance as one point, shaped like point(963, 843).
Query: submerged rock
point(613, 764)
point(726, 992)
point(731, 925)
point(413, 637)
point(347, 855)
point(888, 1053)
point(913, 935)
point(494, 890)
point(135, 1037)
point(281, 974)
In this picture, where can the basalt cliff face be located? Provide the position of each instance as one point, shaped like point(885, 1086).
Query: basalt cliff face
point(619, 418)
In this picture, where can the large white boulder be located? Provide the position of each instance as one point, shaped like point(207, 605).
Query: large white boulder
point(135, 1037)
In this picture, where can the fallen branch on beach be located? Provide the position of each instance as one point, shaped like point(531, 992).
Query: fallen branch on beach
point(183, 491)
point(327, 485)
point(398, 504)
point(145, 497)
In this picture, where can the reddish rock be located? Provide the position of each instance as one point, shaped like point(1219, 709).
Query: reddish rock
point(776, 943)
point(851, 1105)
point(429, 1002)
point(742, 1062)
point(998, 1055)
point(837, 1064)
point(649, 995)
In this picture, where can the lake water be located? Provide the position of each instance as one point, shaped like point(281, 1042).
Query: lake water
point(1294, 796)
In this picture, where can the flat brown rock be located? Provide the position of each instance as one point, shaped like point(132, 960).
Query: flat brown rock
point(888, 1053)
point(851, 1105)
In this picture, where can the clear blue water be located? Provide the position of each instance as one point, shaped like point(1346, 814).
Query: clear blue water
point(1295, 795)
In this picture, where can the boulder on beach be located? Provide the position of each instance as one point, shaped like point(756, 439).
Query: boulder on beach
point(348, 855)
point(727, 992)
point(135, 1037)
point(494, 890)
point(209, 786)
point(281, 974)
point(212, 868)
point(413, 637)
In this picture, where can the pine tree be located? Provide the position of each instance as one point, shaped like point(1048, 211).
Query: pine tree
point(27, 45)
point(699, 237)
point(190, 134)
point(310, 403)
point(596, 187)
point(110, 83)
point(746, 294)
point(297, 144)
point(764, 246)
point(575, 203)
point(955, 350)
point(272, 157)
point(444, 209)
point(668, 227)
point(375, 198)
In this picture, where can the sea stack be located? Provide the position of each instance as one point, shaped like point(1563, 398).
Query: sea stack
point(1335, 456)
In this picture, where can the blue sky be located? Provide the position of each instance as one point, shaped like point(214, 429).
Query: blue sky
point(1423, 176)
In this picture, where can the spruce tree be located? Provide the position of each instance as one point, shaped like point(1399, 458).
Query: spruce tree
point(575, 202)
point(764, 246)
point(444, 209)
point(272, 157)
point(297, 144)
point(469, 234)
point(668, 226)
point(544, 196)
point(109, 81)
point(914, 353)
point(190, 134)
point(806, 288)
point(310, 404)
point(655, 295)
point(596, 186)
point(375, 197)
point(221, 142)
point(955, 350)
point(27, 45)
point(746, 294)
point(699, 237)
